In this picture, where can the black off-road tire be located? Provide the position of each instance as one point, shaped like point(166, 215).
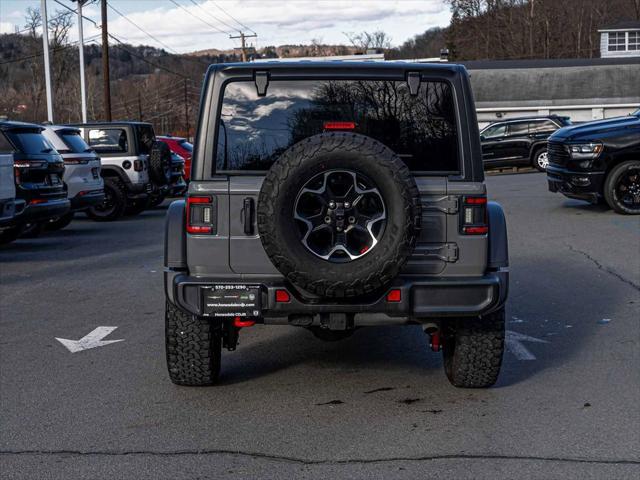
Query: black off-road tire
point(473, 350)
point(115, 191)
point(279, 232)
point(160, 163)
point(60, 222)
point(610, 194)
point(194, 347)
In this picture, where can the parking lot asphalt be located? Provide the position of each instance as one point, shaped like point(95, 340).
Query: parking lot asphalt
point(376, 405)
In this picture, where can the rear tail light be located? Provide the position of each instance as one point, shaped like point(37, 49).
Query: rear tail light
point(200, 215)
point(282, 296)
point(16, 175)
point(474, 216)
point(394, 296)
point(327, 126)
point(138, 165)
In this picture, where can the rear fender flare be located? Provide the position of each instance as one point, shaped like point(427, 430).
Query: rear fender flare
point(498, 240)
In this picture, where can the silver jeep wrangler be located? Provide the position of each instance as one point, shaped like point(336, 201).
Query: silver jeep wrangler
point(333, 196)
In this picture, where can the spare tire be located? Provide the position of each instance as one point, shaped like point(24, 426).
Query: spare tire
point(160, 163)
point(338, 214)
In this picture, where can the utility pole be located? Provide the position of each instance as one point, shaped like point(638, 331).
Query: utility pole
point(186, 108)
point(243, 48)
point(83, 92)
point(105, 62)
point(139, 107)
point(47, 70)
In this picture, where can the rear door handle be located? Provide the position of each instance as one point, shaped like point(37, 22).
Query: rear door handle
point(247, 214)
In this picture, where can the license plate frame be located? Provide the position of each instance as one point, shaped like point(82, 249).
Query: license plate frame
point(227, 300)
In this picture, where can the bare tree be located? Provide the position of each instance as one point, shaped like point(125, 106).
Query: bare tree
point(364, 41)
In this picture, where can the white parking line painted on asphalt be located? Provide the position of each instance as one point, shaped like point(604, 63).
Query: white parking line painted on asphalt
point(514, 344)
point(90, 340)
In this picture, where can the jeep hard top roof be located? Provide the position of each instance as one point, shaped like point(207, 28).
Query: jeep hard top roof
point(340, 67)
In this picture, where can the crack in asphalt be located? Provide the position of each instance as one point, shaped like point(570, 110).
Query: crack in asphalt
point(605, 269)
point(304, 461)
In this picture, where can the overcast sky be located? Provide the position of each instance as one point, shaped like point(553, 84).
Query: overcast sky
point(276, 22)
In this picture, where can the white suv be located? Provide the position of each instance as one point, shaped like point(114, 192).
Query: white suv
point(81, 174)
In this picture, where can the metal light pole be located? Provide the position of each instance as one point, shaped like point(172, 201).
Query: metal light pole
point(45, 46)
point(105, 62)
point(83, 92)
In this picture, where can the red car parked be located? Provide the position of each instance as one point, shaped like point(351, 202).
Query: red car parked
point(183, 148)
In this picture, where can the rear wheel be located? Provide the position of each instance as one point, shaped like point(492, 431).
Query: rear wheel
point(114, 203)
point(622, 188)
point(473, 349)
point(59, 223)
point(193, 346)
point(541, 159)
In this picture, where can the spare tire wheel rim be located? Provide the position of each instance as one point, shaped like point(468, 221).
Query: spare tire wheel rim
point(341, 215)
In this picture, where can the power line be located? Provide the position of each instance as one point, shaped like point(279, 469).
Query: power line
point(198, 18)
point(139, 27)
point(213, 16)
point(232, 17)
point(119, 39)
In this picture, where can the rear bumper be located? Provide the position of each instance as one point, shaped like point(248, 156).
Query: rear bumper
point(420, 298)
point(580, 185)
point(87, 199)
point(7, 210)
point(39, 212)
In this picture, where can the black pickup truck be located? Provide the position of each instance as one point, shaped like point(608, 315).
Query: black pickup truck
point(598, 161)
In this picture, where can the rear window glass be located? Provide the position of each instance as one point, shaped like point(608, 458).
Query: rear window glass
point(74, 141)
point(421, 129)
point(186, 145)
point(146, 137)
point(109, 140)
point(30, 141)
